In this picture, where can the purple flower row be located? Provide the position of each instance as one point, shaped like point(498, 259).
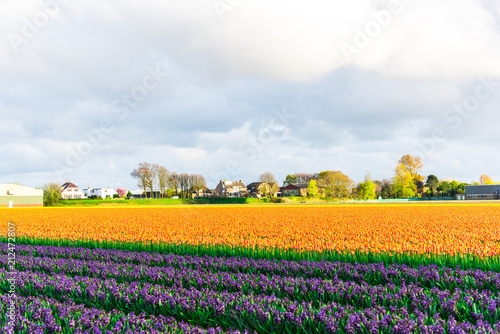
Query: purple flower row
point(46, 315)
point(258, 312)
point(374, 273)
point(360, 295)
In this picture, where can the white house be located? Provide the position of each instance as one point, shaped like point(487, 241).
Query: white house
point(102, 192)
point(71, 191)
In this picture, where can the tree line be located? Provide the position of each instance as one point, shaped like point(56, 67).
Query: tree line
point(407, 181)
point(151, 176)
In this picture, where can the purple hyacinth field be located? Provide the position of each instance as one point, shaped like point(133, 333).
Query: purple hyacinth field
point(82, 290)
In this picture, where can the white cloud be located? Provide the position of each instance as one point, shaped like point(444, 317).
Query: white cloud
point(225, 78)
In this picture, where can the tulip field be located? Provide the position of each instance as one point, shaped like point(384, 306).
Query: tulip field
point(253, 269)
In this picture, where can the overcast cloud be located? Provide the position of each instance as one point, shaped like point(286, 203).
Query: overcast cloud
point(230, 89)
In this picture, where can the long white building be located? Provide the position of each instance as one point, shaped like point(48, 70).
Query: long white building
point(101, 192)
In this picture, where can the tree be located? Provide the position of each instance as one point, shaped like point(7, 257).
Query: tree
point(198, 182)
point(404, 186)
point(121, 192)
point(163, 179)
point(387, 189)
point(184, 184)
point(268, 177)
point(432, 183)
point(129, 194)
point(290, 179)
point(337, 184)
point(444, 188)
point(485, 179)
point(145, 175)
point(51, 194)
point(457, 188)
point(272, 185)
point(413, 165)
point(366, 189)
point(312, 189)
point(306, 177)
point(174, 183)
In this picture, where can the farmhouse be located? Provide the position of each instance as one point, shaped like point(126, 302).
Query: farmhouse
point(259, 189)
point(488, 191)
point(295, 189)
point(231, 189)
point(204, 192)
point(13, 195)
point(71, 191)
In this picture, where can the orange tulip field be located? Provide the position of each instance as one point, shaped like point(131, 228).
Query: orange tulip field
point(411, 229)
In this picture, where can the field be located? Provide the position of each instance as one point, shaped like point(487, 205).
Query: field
point(158, 201)
point(266, 269)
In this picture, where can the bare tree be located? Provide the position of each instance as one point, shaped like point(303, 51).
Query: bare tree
point(306, 177)
point(272, 185)
point(197, 182)
point(268, 177)
point(139, 175)
point(163, 179)
point(174, 182)
point(145, 175)
point(184, 184)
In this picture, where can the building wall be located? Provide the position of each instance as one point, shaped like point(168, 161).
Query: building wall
point(482, 192)
point(21, 201)
point(72, 193)
point(103, 192)
point(291, 192)
point(220, 189)
point(21, 196)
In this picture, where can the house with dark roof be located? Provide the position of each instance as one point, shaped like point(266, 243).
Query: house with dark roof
point(482, 192)
point(70, 191)
point(259, 189)
point(295, 189)
point(204, 192)
point(231, 189)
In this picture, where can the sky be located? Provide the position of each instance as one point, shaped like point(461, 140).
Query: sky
point(233, 88)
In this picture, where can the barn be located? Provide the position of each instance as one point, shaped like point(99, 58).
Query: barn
point(15, 195)
point(482, 192)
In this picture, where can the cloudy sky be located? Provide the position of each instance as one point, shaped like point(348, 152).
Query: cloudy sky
point(232, 88)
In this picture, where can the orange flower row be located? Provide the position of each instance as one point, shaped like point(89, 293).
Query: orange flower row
point(473, 229)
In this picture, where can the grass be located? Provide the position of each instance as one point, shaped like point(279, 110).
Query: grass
point(245, 201)
point(159, 201)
